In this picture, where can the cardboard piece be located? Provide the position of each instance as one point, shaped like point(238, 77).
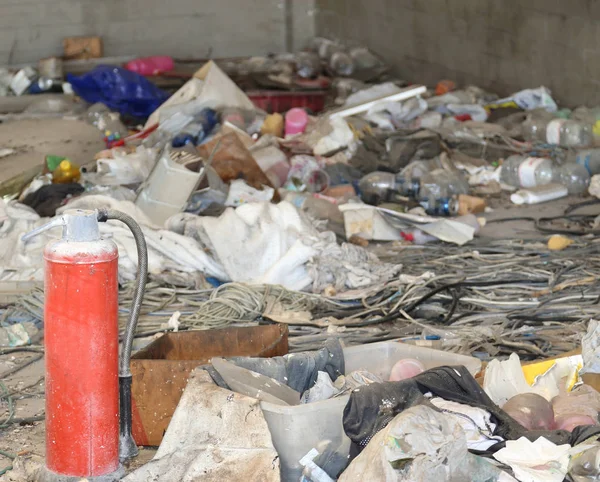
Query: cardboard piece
point(160, 371)
point(82, 48)
point(233, 161)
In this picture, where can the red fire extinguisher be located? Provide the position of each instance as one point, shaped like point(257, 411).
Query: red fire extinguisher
point(88, 393)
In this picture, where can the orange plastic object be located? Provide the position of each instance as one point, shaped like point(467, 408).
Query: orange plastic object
point(444, 86)
point(81, 339)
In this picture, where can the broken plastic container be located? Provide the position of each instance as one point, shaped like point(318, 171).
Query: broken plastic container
point(296, 430)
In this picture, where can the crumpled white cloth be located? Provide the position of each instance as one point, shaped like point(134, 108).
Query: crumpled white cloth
point(167, 251)
point(268, 243)
point(260, 243)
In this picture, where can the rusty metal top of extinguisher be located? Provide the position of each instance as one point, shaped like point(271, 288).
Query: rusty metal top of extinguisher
point(78, 225)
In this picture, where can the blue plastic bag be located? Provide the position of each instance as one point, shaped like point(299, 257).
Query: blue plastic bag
point(121, 90)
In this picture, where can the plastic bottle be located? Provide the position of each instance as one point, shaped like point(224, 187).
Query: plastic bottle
point(562, 132)
point(438, 189)
point(590, 158)
point(151, 65)
point(533, 128)
point(341, 64)
point(107, 121)
point(308, 65)
point(378, 187)
point(574, 177)
point(66, 172)
point(524, 171)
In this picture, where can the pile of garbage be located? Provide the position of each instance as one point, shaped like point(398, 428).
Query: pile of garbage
point(260, 186)
point(385, 163)
point(408, 413)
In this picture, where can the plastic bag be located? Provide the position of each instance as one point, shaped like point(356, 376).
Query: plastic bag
point(124, 168)
point(579, 407)
point(121, 90)
point(421, 445)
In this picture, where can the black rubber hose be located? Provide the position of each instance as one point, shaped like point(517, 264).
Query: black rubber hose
point(127, 447)
point(140, 285)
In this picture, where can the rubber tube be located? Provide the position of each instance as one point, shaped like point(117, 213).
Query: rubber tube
point(127, 447)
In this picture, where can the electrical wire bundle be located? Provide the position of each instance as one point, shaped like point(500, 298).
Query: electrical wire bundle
point(489, 299)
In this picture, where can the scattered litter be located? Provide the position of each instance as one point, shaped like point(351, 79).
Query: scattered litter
point(317, 195)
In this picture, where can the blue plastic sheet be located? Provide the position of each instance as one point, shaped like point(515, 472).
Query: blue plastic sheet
point(121, 90)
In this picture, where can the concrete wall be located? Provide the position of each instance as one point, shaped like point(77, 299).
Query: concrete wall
point(32, 29)
point(504, 45)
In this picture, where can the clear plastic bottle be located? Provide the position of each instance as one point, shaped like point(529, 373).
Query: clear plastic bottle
point(589, 158)
point(561, 132)
point(107, 121)
point(438, 187)
point(364, 59)
point(341, 64)
point(308, 64)
point(378, 187)
point(528, 172)
point(574, 177)
point(524, 171)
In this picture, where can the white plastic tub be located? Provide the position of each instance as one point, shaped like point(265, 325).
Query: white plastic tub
point(296, 430)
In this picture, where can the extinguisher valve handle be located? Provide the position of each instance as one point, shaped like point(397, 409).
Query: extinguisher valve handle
point(56, 222)
point(77, 224)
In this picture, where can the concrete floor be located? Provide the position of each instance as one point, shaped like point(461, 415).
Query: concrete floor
point(33, 139)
